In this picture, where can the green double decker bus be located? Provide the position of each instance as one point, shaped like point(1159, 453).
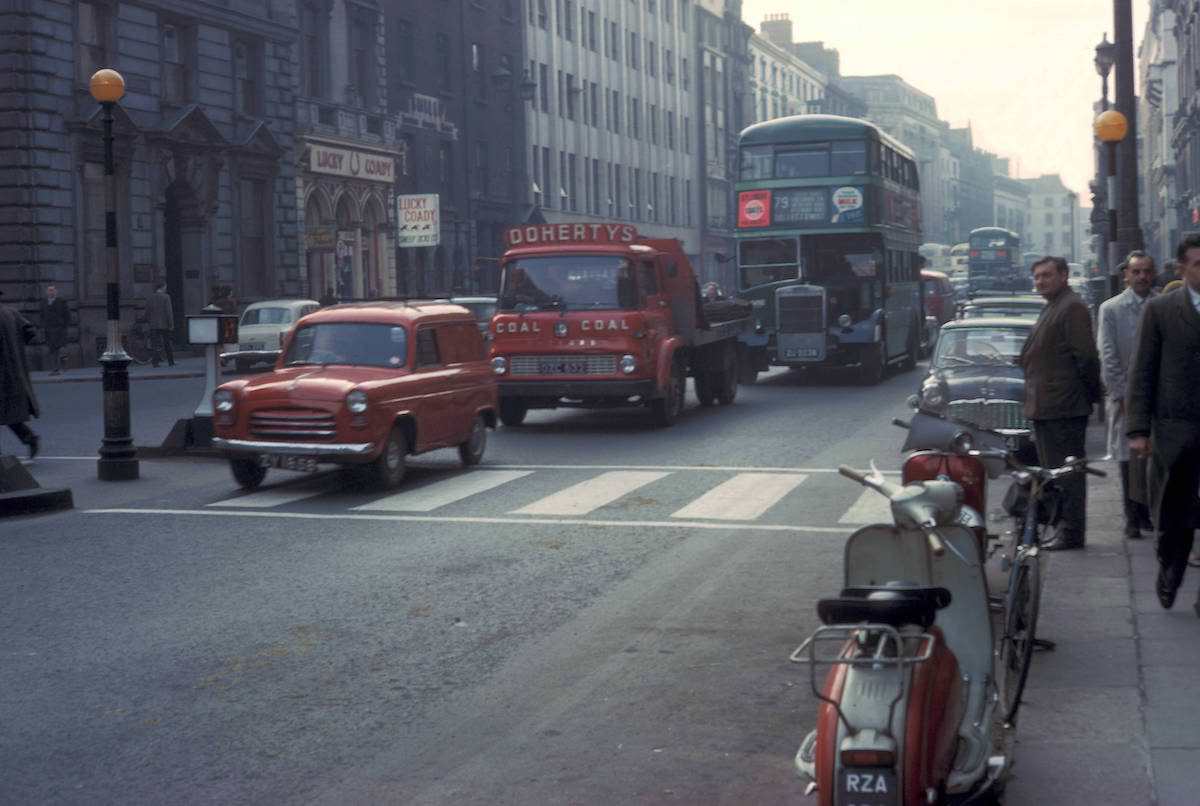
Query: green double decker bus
point(828, 229)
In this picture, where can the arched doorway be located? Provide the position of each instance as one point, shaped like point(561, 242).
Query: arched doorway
point(319, 243)
point(348, 275)
point(373, 250)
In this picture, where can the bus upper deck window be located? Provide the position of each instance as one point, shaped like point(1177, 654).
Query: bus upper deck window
point(802, 163)
point(848, 159)
point(756, 162)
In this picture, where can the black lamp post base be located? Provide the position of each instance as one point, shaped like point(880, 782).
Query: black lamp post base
point(118, 457)
point(117, 469)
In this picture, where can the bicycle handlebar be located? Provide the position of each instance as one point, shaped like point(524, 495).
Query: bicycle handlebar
point(936, 546)
point(896, 421)
point(852, 474)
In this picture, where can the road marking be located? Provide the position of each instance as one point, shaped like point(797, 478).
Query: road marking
point(672, 468)
point(871, 507)
point(440, 493)
point(467, 519)
point(582, 498)
point(276, 496)
point(744, 497)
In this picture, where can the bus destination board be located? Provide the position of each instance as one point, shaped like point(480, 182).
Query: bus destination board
point(802, 206)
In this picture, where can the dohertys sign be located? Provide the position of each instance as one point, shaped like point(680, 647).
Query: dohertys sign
point(537, 234)
point(354, 164)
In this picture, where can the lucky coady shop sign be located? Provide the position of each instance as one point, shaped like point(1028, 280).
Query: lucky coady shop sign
point(352, 164)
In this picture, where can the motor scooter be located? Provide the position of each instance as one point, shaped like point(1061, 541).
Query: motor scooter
point(908, 704)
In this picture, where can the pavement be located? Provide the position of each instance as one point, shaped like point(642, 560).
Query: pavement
point(1111, 716)
point(189, 367)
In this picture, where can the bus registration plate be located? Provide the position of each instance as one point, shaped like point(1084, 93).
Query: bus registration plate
point(800, 352)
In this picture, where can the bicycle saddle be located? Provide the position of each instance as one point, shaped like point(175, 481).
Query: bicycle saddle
point(893, 604)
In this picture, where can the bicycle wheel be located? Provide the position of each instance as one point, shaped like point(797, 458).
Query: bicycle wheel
point(1015, 652)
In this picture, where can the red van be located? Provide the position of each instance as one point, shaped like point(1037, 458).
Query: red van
point(939, 295)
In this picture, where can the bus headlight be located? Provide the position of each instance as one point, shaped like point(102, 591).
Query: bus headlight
point(356, 401)
point(223, 401)
point(844, 320)
point(499, 365)
point(628, 364)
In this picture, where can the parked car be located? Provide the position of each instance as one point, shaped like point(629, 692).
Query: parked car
point(484, 308)
point(973, 377)
point(362, 384)
point(262, 328)
point(939, 295)
point(1021, 306)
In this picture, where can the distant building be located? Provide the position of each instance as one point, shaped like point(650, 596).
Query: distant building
point(1185, 134)
point(974, 206)
point(781, 83)
point(1158, 106)
point(1052, 225)
point(836, 100)
point(1010, 199)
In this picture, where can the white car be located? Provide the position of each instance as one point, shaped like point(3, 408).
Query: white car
point(262, 328)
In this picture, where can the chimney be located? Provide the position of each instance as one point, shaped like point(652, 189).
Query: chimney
point(777, 28)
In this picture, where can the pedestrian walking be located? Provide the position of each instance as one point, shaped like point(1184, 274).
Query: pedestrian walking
point(329, 298)
point(1164, 417)
point(160, 318)
point(56, 318)
point(17, 401)
point(1118, 321)
point(1062, 383)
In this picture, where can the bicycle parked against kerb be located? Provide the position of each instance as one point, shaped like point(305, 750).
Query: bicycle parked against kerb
point(137, 343)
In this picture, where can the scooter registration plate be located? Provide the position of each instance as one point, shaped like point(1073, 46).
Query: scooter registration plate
point(868, 787)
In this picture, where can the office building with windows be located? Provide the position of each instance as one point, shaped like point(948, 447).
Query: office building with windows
point(781, 83)
point(1051, 225)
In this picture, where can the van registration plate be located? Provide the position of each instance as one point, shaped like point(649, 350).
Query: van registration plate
point(301, 464)
point(800, 352)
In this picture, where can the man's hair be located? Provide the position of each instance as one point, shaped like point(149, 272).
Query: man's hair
point(1136, 254)
point(1059, 263)
point(1192, 241)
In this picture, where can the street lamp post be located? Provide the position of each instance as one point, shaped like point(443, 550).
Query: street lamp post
point(1111, 128)
point(118, 458)
point(1106, 55)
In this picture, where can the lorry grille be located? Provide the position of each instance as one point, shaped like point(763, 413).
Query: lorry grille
point(562, 365)
point(293, 424)
point(991, 414)
point(801, 313)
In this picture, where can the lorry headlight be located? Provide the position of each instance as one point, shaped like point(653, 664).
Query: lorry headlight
point(223, 401)
point(499, 365)
point(356, 401)
point(628, 364)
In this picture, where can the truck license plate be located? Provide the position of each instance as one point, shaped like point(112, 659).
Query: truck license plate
point(868, 787)
point(800, 352)
point(301, 464)
point(562, 368)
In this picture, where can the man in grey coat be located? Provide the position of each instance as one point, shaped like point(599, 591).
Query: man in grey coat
point(160, 318)
point(1119, 317)
point(1164, 416)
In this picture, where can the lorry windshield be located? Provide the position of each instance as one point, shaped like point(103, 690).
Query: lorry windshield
point(568, 282)
point(354, 343)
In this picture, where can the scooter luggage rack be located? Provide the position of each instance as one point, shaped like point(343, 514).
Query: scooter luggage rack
point(841, 634)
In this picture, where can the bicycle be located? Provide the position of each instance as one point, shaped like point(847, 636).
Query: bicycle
point(136, 342)
point(1036, 510)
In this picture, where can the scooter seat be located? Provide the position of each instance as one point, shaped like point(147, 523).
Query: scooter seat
point(894, 606)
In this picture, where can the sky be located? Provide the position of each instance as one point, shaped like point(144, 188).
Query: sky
point(1020, 71)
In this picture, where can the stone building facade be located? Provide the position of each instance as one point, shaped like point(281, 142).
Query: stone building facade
point(1052, 227)
point(347, 150)
point(204, 153)
point(781, 83)
point(1158, 103)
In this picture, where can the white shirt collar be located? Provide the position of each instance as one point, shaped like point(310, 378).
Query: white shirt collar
point(1194, 295)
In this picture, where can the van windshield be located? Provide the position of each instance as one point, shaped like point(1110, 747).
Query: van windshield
point(568, 282)
point(364, 344)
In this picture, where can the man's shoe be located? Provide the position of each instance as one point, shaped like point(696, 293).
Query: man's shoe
point(34, 443)
point(1133, 533)
point(1167, 585)
point(1062, 542)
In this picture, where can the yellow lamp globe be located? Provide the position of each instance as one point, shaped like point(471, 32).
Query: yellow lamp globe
point(107, 86)
point(1111, 126)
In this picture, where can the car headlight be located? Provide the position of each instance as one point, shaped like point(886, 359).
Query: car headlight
point(499, 365)
point(932, 396)
point(356, 401)
point(223, 400)
point(628, 364)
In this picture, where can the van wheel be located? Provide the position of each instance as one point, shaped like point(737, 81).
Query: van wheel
point(471, 451)
point(873, 365)
point(913, 354)
point(726, 387)
point(512, 412)
point(668, 407)
point(747, 374)
point(705, 392)
point(248, 473)
point(388, 469)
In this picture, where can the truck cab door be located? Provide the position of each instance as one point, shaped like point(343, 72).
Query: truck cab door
point(655, 306)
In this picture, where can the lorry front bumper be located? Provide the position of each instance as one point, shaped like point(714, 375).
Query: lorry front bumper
point(578, 390)
point(321, 450)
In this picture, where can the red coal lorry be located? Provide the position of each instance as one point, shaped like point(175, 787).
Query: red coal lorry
point(594, 315)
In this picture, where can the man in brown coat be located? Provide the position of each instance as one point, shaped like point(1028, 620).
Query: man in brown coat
point(1062, 383)
point(1164, 416)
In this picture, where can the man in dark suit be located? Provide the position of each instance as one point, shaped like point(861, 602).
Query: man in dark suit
point(1164, 416)
point(56, 319)
point(1062, 384)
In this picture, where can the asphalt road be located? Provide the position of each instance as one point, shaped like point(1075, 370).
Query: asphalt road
point(602, 612)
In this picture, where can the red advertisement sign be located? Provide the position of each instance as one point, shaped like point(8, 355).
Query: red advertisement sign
point(754, 208)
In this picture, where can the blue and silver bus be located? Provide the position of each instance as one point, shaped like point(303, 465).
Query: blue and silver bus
point(994, 262)
point(829, 227)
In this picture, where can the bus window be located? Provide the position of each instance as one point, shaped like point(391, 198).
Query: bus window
point(802, 163)
point(848, 158)
point(756, 162)
point(767, 260)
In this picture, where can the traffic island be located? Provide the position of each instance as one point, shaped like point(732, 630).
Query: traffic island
point(20, 494)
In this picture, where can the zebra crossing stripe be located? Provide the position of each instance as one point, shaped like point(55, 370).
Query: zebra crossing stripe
point(744, 497)
point(442, 493)
point(871, 507)
point(276, 496)
point(582, 498)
